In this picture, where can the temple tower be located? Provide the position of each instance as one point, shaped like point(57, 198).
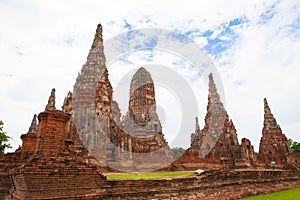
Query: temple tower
point(142, 98)
point(144, 137)
point(52, 130)
point(142, 118)
point(217, 142)
point(91, 102)
point(273, 144)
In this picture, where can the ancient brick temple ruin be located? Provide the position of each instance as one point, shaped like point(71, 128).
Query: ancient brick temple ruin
point(144, 138)
point(122, 143)
point(217, 145)
point(217, 142)
point(65, 153)
point(51, 155)
point(273, 144)
point(91, 103)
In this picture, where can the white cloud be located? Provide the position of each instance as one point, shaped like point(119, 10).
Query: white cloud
point(264, 63)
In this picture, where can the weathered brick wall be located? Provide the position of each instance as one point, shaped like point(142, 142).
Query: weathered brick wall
point(209, 185)
point(51, 133)
point(54, 171)
point(51, 186)
point(217, 142)
point(212, 184)
point(29, 141)
point(7, 162)
point(293, 158)
point(5, 184)
point(273, 144)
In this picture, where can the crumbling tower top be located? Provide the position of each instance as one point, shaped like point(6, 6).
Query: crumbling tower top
point(51, 102)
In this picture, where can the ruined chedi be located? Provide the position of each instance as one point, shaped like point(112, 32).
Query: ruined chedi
point(273, 144)
point(56, 160)
point(91, 103)
point(141, 117)
point(97, 117)
point(217, 142)
point(141, 122)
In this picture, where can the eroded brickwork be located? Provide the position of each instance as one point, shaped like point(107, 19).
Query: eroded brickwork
point(141, 123)
point(55, 163)
point(91, 102)
point(273, 144)
point(217, 142)
point(138, 138)
point(29, 140)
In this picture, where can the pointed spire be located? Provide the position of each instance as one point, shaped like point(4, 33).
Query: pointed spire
point(269, 120)
point(232, 126)
point(214, 103)
point(231, 123)
point(33, 126)
point(233, 133)
point(98, 37)
point(67, 106)
point(266, 107)
point(197, 128)
point(213, 97)
point(95, 64)
point(215, 119)
point(273, 143)
point(51, 102)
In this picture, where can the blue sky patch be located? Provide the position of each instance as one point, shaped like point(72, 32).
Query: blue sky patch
point(216, 46)
point(178, 36)
point(151, 43)
point(294, 29)
point(124, 59)
point(127, 25)
point(207, 33)
point(268, 14)
point(225, 39)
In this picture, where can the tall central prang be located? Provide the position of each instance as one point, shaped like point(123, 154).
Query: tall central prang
point(142, 97)
point(141, 123)
point(142, 118)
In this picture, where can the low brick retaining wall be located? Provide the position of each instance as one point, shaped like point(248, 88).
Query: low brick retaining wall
point(209, 185)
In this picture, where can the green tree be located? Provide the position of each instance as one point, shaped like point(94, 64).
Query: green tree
point(4, 139)
point(178, 151)
point(294, 146)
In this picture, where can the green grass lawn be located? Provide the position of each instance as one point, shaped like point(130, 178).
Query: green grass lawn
point(147, 175)
point(291, 194)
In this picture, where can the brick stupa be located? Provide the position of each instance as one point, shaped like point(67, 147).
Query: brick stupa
point(57, 161)
point(217, 142)
point(142, 124)
point(273, 143)
point(120, 143)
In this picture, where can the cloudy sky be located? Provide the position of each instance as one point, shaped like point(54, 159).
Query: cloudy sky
point(254, 45)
